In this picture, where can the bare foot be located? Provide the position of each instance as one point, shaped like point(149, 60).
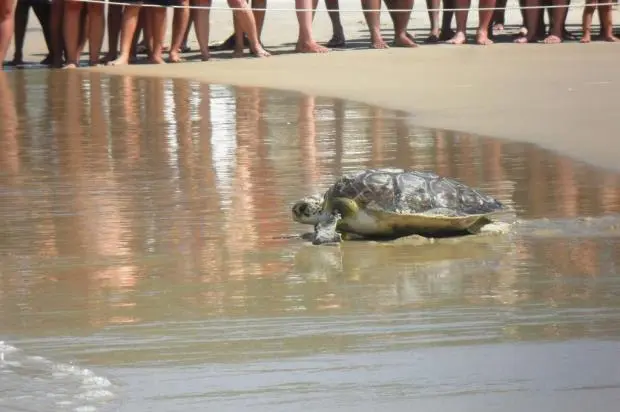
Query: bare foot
point(121, 61)
point(459, 38)
point(552, 39)
point(378, 43)
point(70, 66)
point(337, 41)
point(611, 38)
point(310, 47)
point(157, 60)
point(522, 40)
point(587, 37)
point(498, 27)
point(482, 38)
point(258, 51)
point(404, 40)
point(446, 35)
point(174, 57)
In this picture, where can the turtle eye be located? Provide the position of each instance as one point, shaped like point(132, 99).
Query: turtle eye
point(301, 209)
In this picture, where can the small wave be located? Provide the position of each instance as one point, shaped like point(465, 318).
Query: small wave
point(34, 383)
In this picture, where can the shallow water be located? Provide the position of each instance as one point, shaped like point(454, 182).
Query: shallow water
point(143, 267)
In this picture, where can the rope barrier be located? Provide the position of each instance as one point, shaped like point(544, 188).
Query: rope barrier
point(359, 10)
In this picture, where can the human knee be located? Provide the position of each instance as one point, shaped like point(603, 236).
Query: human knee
point(73, 6)
point(6, 10)
point(22, 7)
point(237, 4)
point(589, 9)
point(95, 9)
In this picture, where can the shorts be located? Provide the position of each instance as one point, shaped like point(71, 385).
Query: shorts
point(163, 3)
point(34, 2)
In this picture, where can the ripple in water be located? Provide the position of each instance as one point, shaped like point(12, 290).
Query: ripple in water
point(34, 383)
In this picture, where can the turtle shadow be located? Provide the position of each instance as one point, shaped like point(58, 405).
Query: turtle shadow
point(491, 229)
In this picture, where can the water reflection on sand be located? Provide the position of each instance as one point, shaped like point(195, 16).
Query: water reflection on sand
point(142, 223)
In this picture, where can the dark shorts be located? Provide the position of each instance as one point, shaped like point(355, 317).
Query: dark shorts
point(163, 3)
point(33, 2)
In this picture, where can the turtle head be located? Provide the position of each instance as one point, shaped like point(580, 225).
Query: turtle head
point(308, 210)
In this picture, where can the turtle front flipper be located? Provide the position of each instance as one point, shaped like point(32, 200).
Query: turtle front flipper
point(336, 210)
point(325, 230)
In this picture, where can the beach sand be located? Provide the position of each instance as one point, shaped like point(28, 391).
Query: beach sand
point(562, 97)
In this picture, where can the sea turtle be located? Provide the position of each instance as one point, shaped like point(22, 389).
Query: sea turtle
point(391, 203)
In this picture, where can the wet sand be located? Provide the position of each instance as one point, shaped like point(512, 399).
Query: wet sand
point(144, 267)
point(562, 97)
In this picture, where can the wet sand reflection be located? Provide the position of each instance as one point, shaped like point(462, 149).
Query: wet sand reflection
point(9, 160)
point(151, 187)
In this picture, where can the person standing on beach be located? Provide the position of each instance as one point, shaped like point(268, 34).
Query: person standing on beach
point(245, 21)
point(400, 20)
point(484, 21)
point(180, 21)
point(433, 16)
point(240, 38)
point(499, 16)
point(56, 29)
point(604, 15)
point(259, 10)
point(184, 46)
point(71, 29)
point(42, 10)
point(533, 17)
point(115, 19)
point(7, 17)
point(338, 38)
point(305, 10)
point(372, 16)
point(447, 15)
point(155, 17)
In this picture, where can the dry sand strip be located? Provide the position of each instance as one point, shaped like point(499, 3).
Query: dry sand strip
point(563, 97)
